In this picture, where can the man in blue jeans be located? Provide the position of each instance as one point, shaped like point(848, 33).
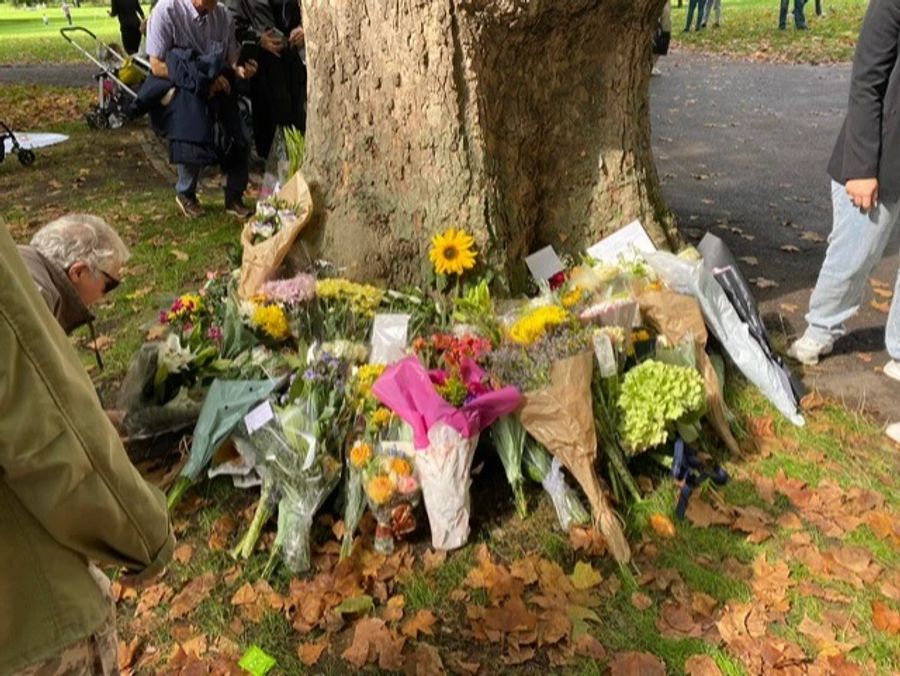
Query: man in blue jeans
point(799, 17)
point(865, 192)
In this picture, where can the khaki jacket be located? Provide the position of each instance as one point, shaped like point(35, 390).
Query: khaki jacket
point(56, 289)
point(68, 493)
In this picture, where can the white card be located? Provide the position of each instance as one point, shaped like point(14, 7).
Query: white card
point(544, 263)
point(626, 242)
point(389, 336)
point(259, 416)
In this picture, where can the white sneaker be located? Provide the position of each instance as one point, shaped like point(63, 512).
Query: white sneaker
point(892, 370)
point(893, 431)
point(807, 351)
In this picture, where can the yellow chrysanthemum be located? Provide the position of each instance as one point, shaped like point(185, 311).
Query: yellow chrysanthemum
point(531, 327)
point(366, 376)
point(271, 320)
point(360, 454)
point(452, 252)
point(381, 417)
point(572, 297)
point(380, 489)
point(400, 467)
point(363, 298)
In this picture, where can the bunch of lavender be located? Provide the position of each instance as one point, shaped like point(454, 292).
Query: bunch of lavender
point(528, 367)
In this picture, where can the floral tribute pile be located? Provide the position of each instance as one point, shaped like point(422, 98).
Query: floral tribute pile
point(571, 388)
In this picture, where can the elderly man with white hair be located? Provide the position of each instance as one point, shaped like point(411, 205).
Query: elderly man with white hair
point(75, 261)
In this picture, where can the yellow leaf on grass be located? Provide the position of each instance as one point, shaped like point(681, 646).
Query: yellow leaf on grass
point(584, 576)
point(662, 525)
point(180, 255)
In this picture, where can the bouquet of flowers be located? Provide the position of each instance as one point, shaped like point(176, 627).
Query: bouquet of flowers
point(272, 215)
point(508, 436)
point(445, 433)
point(294, 296)
point(547, 471)
point(346, 308)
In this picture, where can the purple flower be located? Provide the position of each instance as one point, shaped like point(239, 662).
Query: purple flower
point(298, 289)
point(214, 333)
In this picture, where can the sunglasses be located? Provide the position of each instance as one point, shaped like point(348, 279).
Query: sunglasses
point(110, 283)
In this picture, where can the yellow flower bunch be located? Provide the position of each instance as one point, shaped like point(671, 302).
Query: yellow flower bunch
point(380, 489)
point(401, 467)
point(360, 454)
point(366, 376)
point(364, 299)
point(452, 252)
point(572, 297)
point(271, 320)
point(380, 418)
point(532, 326)
point(184, 306)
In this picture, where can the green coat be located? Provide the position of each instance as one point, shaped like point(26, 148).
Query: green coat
point(68, 493)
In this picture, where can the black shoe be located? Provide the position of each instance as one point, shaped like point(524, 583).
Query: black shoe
point(237, 208)
point(189, 205)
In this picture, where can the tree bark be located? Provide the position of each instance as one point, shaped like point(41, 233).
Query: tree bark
point(524, 121)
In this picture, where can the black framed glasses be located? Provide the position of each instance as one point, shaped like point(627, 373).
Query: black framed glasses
point(110, 283)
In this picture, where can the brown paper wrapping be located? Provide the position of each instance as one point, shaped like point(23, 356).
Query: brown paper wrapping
point(562, 418)
point(676, 317)
point(261, 261)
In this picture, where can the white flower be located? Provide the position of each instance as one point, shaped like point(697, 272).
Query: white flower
point(173, 356)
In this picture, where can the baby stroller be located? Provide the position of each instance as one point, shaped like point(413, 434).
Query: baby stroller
point(26, 155)
point(118, 77)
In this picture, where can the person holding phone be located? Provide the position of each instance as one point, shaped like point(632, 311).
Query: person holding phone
point(278, 91)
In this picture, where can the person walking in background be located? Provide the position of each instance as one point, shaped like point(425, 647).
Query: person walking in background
point(710, 4)
point(69, 497)
point(130, 17)
point(663, 36)
point(67, 12)
point(799, 17)
point(278, 91)
point(699, 6)
point(865, 193)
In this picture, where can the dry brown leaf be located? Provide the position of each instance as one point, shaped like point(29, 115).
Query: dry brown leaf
point(636, 664)
point(193, 594)
point(885, 618)
point(100, 344)
point(425, 661)
point(662, 525)
point(762, 427)
point(310, 653)
point(127, 653)
point(702, 514)
point(393, 611)
point(368, 634)
point(588, 646)
point(587, 540)
point(701, 665)
point(887, 294)
point(641, 601)
point(183, 553)
point(749, 260)
point(812, 401)
point(245, 595)
point(884, 307)
point(790, 521)
point(152, 596)
point(421, 622)
point(884, 526)
point(809, 236)
point(195, 646)
point(524, 570)
point(179, 255)
point(518, 655)
point(432, 558)
point(764, 283)
point(790, 248)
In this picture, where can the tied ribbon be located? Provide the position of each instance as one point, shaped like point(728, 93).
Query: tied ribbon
point(403, 520)
point(686, 468)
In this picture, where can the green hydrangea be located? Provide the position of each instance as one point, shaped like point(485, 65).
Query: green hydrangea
point(653, 398)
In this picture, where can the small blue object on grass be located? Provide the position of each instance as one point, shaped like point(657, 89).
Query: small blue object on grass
point(256, 661)
point(686, 468)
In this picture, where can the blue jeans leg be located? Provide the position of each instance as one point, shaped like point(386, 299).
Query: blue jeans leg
point(855, 246)
point(692, 5)
point(188, 175)
point(782, 14)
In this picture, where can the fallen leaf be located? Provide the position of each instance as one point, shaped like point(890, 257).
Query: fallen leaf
point(588, 646)
point(193, 594)
point(812, 401)
point(762, 427)
point(368, 633)
point(518, 655)
point(100, 344)
point(433, 558)
point(584, 576)
point(183, 553)
point(221, 531)
point(790, 248)
point(790, 308)
point(749, 260)
point(878, 284)
point(764, 283)
point(883, 293)
point(790, 521)
point(126, 653)
point(394, 609)
point(809, 236)
point(152, 596)
point(310, 653)
point(245, 595)
point(881, 307)
point(425, 661)
point(421, 622)
point(662, 525)
point(701, 665)
point(195, 646)
point(885, 618)
point(524, 570)
point(587, 540)
point(180, 255)
point(641, 601)
point(356, 605)
point(702, 514)
point(636, 664)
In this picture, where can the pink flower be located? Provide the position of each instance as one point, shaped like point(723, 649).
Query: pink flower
point(298, 289)
point(407, 484)
point(214, 333)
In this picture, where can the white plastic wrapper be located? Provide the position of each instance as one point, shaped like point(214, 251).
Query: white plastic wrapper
point(555, 485)
point(606, 355)
point(445, 473)
point(726, 325)
point(389, 336)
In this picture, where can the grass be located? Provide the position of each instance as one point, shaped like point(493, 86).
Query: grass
point(25, 39)
point(749, 28)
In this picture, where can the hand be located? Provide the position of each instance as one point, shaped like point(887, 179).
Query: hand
point(863, 192)
point(271, 42)
point(297, 37)
point(220, 84)
point(246, 71)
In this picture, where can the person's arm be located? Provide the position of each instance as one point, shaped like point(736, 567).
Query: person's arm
point(159, 68)
point(68, 469)
point(160, 39)
point(876, 54)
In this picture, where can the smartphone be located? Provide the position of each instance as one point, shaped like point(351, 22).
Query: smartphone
point(249, 52)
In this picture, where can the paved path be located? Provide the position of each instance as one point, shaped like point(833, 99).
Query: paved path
point(741, 150)
point(61, 75)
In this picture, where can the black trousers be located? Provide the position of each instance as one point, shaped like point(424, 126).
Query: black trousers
point(278, 94)
point(131, 38)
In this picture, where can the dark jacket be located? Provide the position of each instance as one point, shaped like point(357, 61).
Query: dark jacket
point(128, 12)
point(68, 493)
point(200, 130)
point(869, 143)
point(56, 289)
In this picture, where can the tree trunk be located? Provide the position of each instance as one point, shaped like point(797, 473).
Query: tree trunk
point(524, 121)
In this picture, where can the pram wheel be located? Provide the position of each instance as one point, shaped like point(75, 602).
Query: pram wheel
point(26, 157)
point(96, 119)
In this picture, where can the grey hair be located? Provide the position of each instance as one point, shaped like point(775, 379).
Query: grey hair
point(82, 238)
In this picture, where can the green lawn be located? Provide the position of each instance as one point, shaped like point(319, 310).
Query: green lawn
point(749, 28)
point(25, 39)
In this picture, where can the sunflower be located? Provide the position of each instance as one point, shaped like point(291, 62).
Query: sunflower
point(452, 252)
